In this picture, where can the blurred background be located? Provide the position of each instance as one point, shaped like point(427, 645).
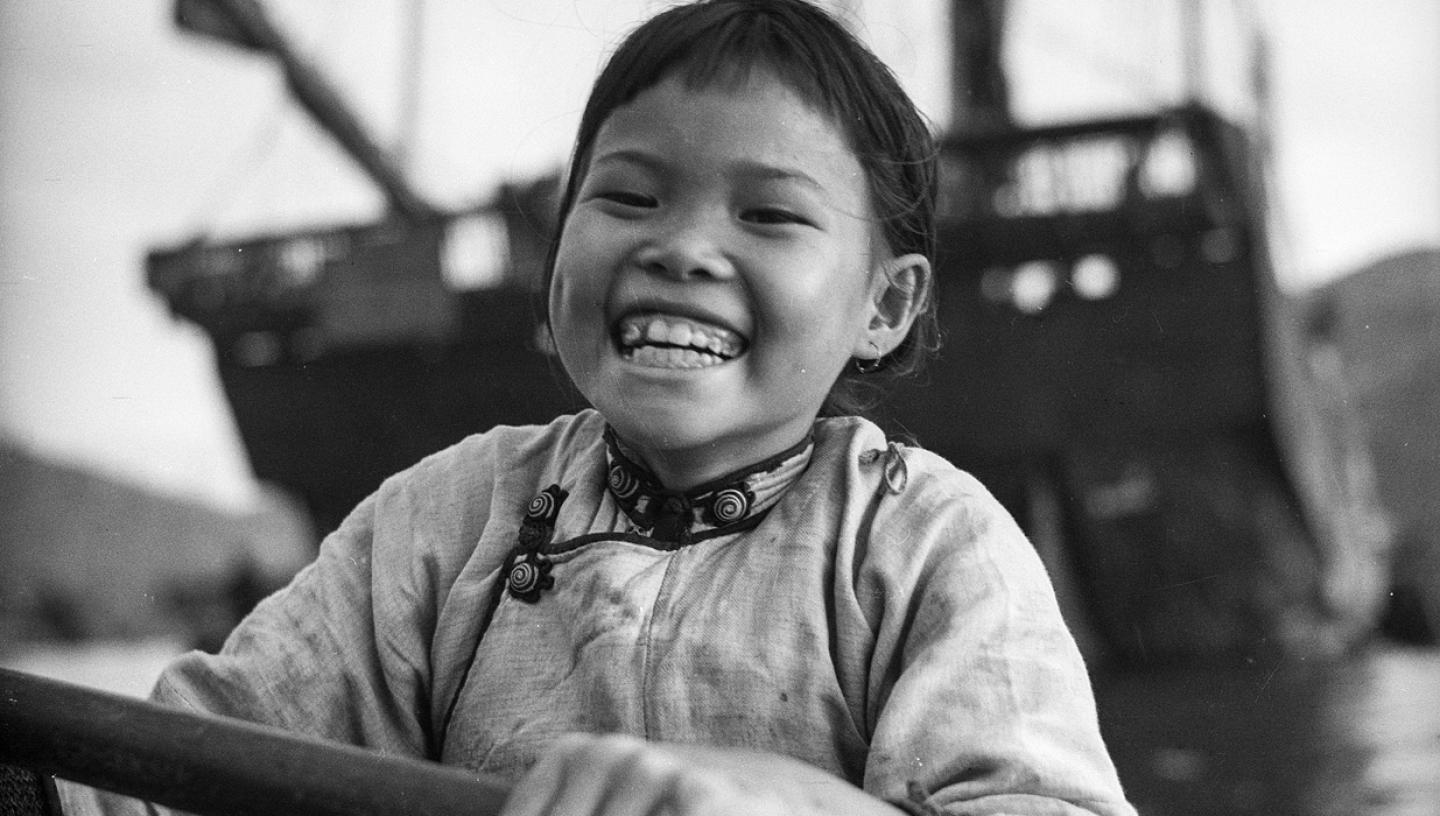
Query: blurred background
point(253, 257)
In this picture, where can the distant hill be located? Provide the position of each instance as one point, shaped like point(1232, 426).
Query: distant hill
point(84, 555)
point(1385, 322)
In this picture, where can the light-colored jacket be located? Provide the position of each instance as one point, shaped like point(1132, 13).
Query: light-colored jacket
point(887, 621)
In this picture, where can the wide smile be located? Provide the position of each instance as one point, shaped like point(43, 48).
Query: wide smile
point(658, 340)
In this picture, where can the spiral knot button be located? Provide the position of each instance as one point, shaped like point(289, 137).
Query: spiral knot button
point(623, 483)
point(730, 505)
point(545, 506)
point(528, 577)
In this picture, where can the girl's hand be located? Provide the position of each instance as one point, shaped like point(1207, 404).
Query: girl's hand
point(589, 775)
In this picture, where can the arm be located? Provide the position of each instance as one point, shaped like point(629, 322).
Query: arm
point(980, 700)
point(329, 656)
point(306, 659)
point(622, 776)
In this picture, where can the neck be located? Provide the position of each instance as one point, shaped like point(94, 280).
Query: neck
point(680, 470)
point(683, 469)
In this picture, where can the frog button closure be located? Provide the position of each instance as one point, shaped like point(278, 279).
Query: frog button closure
point(527, 569)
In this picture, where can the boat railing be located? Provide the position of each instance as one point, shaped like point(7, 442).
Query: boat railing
point(215, 766)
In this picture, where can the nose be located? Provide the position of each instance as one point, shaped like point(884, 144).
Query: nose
point(686, 245)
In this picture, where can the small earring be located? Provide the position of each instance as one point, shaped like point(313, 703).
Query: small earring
point(869, 365)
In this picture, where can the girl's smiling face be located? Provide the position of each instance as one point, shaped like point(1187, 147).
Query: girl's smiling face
point(719, 267)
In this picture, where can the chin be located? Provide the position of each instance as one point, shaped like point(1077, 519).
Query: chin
point(664, 427)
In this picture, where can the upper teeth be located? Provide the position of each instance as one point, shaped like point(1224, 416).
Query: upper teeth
point(677, 331)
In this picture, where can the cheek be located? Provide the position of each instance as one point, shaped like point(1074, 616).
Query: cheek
point(587, 252)
point(822, 307)
point(813, 335)
point(579, 292)
point(576, 281)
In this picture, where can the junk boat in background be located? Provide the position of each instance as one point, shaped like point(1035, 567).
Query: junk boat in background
point(1118, 366)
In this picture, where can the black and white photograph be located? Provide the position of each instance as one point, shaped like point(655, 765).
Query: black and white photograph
point(692, 407)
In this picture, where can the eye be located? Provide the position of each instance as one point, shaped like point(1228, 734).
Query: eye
point(622, 202)
point(626, 198)
point(618, 190)
point(774, 216)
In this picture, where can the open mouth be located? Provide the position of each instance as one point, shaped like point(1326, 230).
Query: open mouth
point(670, 341)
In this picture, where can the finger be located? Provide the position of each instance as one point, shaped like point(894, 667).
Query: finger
point(611, 775)
point(696, 793)
point(642, 783)
point(655, 781)
point(536, 791)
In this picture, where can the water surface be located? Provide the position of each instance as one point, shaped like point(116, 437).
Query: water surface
point(1357, 737)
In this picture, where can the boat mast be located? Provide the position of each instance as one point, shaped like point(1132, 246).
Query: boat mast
point(245, 23)
point(1192, 33)
point(979, 88)
point(410, 82)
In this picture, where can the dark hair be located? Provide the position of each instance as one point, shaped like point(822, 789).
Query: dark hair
point(714, 41)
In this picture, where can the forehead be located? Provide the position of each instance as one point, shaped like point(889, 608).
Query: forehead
point(756, 119)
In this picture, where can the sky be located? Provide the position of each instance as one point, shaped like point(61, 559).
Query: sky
point(117, 135)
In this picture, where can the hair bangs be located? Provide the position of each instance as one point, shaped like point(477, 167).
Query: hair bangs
point(739, 48)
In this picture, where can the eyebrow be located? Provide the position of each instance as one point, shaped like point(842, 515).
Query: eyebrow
point(769, 172)
point(747, 169)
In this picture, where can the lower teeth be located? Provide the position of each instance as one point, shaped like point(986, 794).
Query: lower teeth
point(673, 357)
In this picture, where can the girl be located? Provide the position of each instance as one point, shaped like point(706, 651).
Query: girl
point(698, 597)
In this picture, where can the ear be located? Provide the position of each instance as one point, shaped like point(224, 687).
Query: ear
point(899, 289)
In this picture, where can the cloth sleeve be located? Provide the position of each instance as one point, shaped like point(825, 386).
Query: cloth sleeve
point(323, 657)
point(980, 699)
point(330, 656)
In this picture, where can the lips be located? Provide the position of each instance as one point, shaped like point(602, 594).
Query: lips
point(674, 341)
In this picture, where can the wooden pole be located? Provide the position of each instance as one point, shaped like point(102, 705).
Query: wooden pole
point(246, 23)
point(979, 88)
point(216, 766)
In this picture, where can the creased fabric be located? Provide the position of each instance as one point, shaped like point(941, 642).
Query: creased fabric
point(896, 630)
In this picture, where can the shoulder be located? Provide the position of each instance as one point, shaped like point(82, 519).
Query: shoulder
point(517, 444)
point(449, 497)
point(910, 480)
point(463, 503)
point(504, 453)
point(912, 511)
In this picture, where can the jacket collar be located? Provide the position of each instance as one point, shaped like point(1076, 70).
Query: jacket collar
point(728, 504)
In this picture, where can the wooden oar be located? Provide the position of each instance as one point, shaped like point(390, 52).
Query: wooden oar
point(218, 766)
